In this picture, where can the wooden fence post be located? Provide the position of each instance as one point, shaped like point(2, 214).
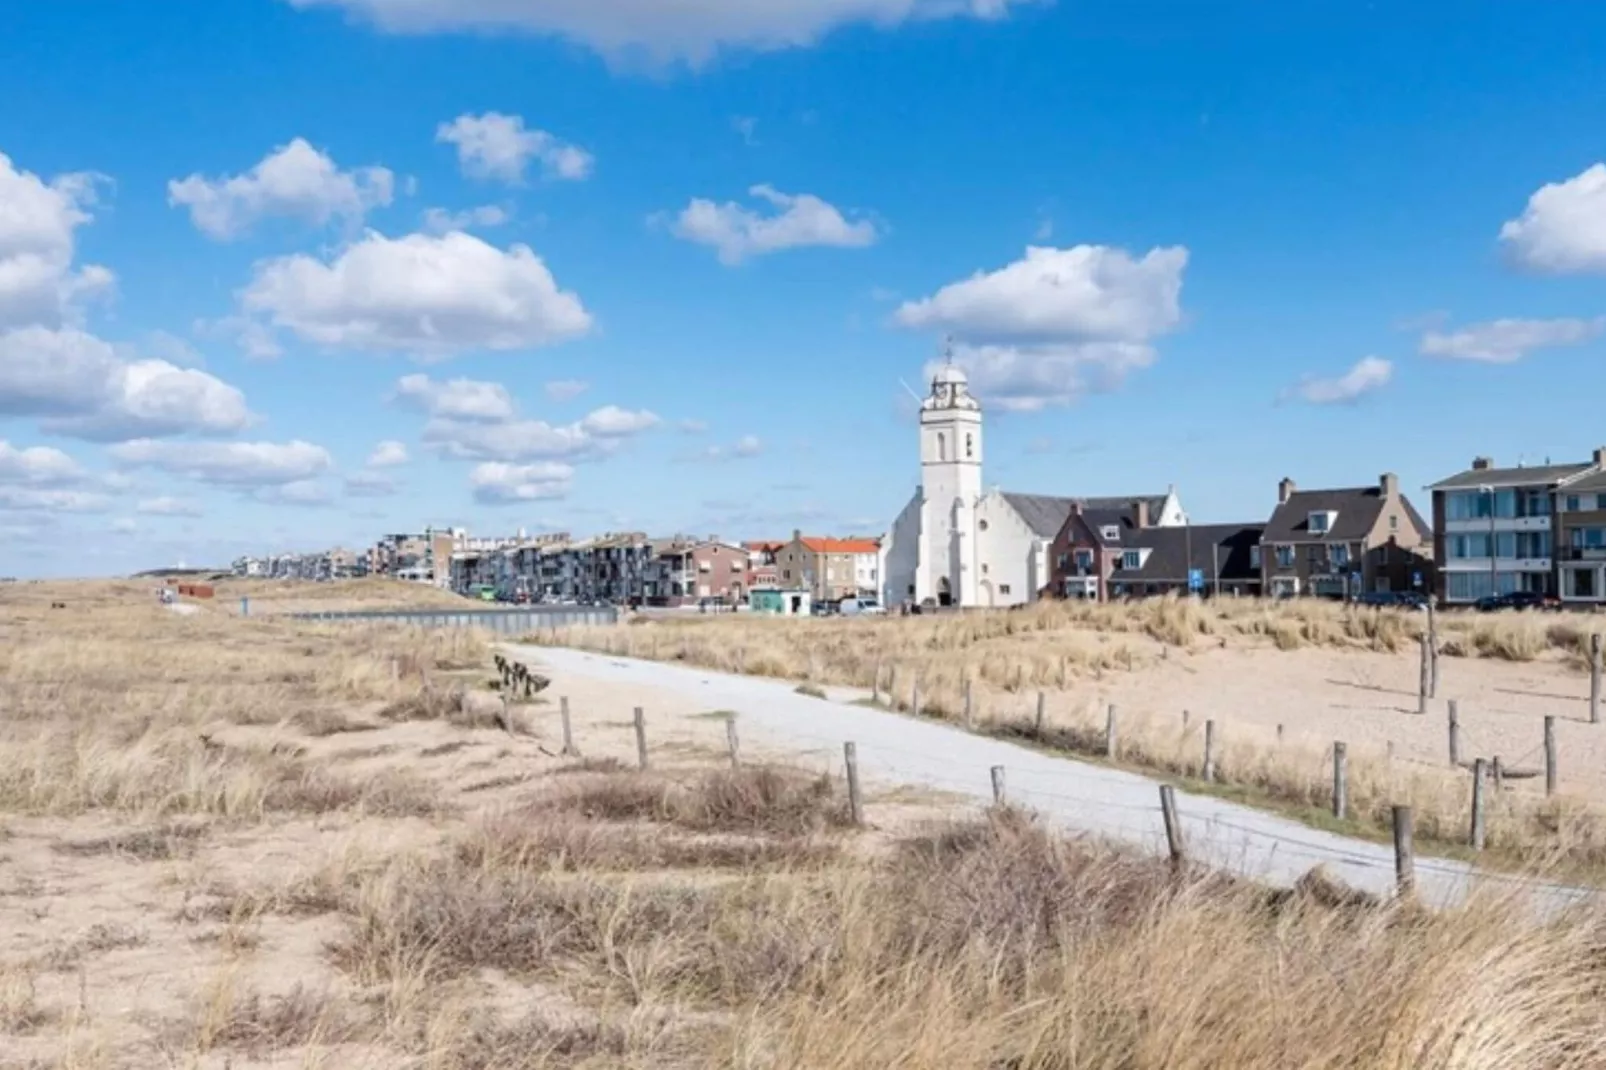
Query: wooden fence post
point(1340, 781)
point(1404, 851)
point(1210, 752)
point(1111, 739)
point(970, 707)
point(1455, 733)
point(569, 748)
point(1424, 680)
point(850, 759)
point(1039, 729)
point(1477, 835)
point(1594, 678)
point(1173, 826)
point(875, 686)
point(998, 785)
point(1497, 773)
point(1279, 734)
point(1184, 720)
point(641, 737)
point(1551, 772)
point(735, 743)
point(914, 697)
point(1433, 651)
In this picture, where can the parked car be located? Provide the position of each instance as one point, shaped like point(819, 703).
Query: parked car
point(1515, 600)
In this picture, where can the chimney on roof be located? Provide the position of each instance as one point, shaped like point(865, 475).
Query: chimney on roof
point(1285, 490)
point(797, 534)
point(1600, 457)
point(1140, 514)
point(1076, 507)
point(1389, 484)
point(1482, 464)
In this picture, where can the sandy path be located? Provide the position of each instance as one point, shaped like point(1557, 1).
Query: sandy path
point(897, 751)
point(1367, 700)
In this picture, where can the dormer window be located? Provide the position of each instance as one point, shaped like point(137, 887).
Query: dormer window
point(1320, 523)
point(1109, 533)
point(1132, 560)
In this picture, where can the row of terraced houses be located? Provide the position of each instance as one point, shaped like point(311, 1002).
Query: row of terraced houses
point(631, 568)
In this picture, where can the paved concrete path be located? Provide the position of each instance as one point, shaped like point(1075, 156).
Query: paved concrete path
point(894, 749)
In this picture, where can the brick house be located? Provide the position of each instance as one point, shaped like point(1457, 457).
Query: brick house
point(1345, 541)
point(683, 572)
point(1118, 552)
point(829, 569)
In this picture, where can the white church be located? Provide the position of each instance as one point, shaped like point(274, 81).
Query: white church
point(955, 544)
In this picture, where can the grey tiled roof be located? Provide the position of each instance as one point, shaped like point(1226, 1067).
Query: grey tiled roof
point(1045, 514)
point(1540, 474)
point(1222, 550)
point(1591, 481)
point(1357, 507)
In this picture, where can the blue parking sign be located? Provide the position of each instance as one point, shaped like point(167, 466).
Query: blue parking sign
point(1196, 579)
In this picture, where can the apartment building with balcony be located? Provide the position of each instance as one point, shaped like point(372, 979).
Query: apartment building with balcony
point(686, 572)
point(1499, 530)
point(1533, 528)
point(1345, 541)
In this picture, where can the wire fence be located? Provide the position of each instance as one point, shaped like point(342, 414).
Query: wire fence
point(1027, 782)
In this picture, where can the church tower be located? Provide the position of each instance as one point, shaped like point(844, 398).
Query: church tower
point(950, 480)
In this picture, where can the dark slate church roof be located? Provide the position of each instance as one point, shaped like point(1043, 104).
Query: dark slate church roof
point(1045, 514)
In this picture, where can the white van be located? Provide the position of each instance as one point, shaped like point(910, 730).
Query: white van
point(853, 607)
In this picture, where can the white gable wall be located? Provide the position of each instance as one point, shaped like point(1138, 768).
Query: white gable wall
point(900, 555)
point(1009, 555)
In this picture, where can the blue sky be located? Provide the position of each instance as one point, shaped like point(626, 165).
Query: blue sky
point(243, 245)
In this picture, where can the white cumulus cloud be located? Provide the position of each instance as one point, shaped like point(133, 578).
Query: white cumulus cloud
point(1368, 376)
point(83, 388)
point(232, 464)
point(1504, 341)
point(432, 296)
point(1058, 323)
point(496, 483)
point(498, 146)
point(388, 454)
point(662, 30)
point(455, 399)
point(295, 181)
point(39, 466)
point(738, 232)
point(611, 421)
point(1563, 229)
point(38, 222)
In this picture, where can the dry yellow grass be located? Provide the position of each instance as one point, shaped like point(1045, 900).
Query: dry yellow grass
point(253, 887)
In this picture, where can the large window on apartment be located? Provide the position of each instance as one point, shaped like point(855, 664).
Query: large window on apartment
point(1471, 586)
point(1587, 538)
point(1508, 503)
point(1285, 557)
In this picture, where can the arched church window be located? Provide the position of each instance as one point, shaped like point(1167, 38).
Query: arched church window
point(942, 446)
point(969, 447)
